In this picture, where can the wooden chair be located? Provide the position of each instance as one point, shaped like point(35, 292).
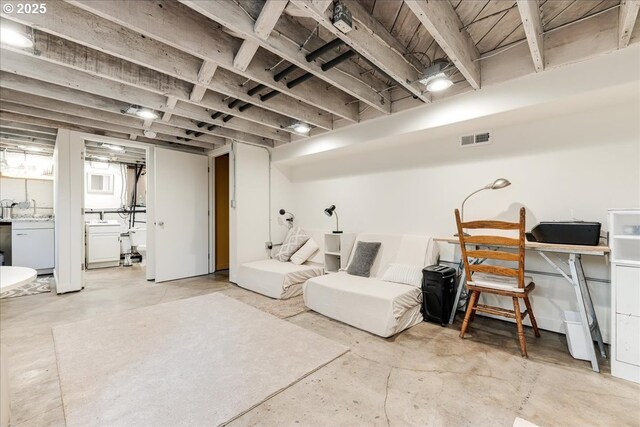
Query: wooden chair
point(497, 280)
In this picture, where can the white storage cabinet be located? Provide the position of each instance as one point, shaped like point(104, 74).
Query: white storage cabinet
point(624, 239)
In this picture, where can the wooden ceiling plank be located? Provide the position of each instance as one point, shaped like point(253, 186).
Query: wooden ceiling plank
point(442, 21)
point(627, 18)
point(233, 17)
point(171, 102)
point(371, 40)
point(532, 23)
point(83, 27)
point(31, 128)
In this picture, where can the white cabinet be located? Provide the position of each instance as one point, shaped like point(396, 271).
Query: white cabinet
point(32, 245)
point(102, 244)
point(337, 248)
point(624, 239)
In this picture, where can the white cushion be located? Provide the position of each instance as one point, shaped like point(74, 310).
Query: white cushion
point(296, 237)
point(305, 252)
point(498, 282)
point(276, 279)
point(403, 273)
point(382, 308)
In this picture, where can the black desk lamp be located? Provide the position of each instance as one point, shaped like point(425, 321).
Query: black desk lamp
point(330, 211)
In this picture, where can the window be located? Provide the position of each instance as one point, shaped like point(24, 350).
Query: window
point(99, 183)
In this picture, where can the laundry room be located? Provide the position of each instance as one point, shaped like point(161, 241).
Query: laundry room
point(114, 205)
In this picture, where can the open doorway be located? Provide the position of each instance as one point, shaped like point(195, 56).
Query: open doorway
point(221, 212)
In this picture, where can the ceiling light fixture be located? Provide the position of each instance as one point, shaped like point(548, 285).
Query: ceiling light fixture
point(30, 148)
point(149, 133)
point(435, 78)
point(13, 37)
point(139, 111)
point(112, 147)
point(301, 127)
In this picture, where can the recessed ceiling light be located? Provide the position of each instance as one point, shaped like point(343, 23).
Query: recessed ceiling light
point(438, 82)
point(15, 38)
point(30, 148)
point(435, 77)
point(112, 147)
point(301, 127)
point(147, 114)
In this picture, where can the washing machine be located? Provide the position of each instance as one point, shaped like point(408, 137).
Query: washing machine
point(102, 240)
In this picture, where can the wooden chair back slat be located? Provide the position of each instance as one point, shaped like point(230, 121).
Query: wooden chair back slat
point(491, 240)
point(499, 255)
point(494, 225)
point(494, 269)
point(488, 240)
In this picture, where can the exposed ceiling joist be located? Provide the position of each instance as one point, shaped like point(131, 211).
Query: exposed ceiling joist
point(532, 23)
point(78, 25)
point(627, 19)
point(207, 70)
point(38, 69)
point(97, 128)
point(183, 29)
point(171, 102)
point(233, 17)
point(267, 19)
point(40, 130)
point(444, 24)
point(371, 40)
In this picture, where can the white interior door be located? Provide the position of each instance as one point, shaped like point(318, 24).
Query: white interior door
point(181, 214)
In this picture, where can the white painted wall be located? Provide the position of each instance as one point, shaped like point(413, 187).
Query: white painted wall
point(113, 200)
point(249, 220)
point(568, 158)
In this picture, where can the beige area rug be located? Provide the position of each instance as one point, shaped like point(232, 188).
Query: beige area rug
point(39, 286)
point(282, 308)
point(193, 362)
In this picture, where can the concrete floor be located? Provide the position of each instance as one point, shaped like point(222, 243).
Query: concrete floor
point(424, 376)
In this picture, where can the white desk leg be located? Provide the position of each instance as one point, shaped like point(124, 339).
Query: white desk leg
point(595, 325)
point(583, 313)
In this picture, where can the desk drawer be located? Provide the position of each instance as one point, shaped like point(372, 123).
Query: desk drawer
point(627, 282)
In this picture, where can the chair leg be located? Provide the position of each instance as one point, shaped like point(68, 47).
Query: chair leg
point(521, 338)
point(467, 315)
point(534, 324)
point(473, 313)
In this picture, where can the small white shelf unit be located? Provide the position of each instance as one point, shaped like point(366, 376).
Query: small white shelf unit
point(624, 240)
point(337, 248)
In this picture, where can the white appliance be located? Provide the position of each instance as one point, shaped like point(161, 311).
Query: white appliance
point(102, 244)
point(32, 245)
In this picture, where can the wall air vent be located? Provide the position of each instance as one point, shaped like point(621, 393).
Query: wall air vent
point(480, 138)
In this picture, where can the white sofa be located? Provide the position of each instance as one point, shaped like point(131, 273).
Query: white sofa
point(382, 308)
point(281, 280)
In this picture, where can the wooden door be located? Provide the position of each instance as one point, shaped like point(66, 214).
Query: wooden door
point(222, 212)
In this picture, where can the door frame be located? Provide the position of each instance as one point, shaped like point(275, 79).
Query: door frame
point(221, 151)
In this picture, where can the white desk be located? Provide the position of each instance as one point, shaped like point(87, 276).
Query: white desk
point(575, 277)
point(12, 277)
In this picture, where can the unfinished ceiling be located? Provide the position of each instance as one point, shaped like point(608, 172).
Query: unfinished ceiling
point(255, 71)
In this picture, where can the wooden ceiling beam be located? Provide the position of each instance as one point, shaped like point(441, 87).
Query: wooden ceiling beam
point(207, 70)
point(443, 23)
point(171, 102)
point(532, 23)
point(46, 132)
point(35, 68)
point(97, 128)
point(371, 40)
point(177, 26)
point(233, 17)
point(627, 19)
point(77, 25)
point(267, 19)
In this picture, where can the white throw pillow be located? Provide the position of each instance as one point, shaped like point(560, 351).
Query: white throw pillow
point(296, 237)
point(305, 252)
point(403, 273)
